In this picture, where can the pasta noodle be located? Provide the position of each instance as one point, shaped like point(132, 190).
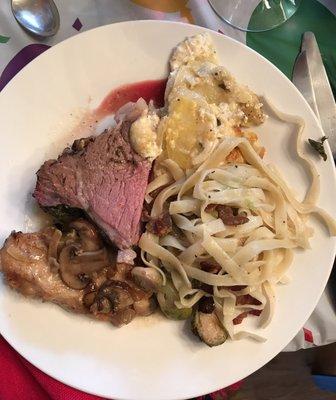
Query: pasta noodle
point(252, 256)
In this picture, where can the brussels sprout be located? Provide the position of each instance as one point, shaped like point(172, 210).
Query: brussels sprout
point(173, 312)
point(208, 328)
point(166, 299)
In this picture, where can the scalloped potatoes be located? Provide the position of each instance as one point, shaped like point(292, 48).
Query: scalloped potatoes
point(204, 103)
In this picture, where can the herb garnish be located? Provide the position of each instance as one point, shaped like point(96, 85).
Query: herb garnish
point(319, 147)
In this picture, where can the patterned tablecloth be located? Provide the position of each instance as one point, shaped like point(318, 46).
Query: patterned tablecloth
point(280, 46)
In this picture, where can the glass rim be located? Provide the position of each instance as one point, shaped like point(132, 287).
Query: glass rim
point(246, 29)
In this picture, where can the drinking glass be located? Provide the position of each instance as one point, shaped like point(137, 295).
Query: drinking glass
point(255, 15)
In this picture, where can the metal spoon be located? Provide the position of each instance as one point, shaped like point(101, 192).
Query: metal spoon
point(39, 17)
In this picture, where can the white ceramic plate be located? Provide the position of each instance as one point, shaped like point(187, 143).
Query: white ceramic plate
point(151, 358)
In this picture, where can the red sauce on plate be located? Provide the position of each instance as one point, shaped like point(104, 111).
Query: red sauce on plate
point(148, 90)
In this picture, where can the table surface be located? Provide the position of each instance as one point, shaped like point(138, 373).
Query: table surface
point(280, 46)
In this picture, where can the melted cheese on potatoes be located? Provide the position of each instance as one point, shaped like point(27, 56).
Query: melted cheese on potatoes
point(189, 127)
point(204, 103)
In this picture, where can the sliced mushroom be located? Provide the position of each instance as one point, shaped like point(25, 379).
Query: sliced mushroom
point(116, 293)
point(88, 234)
point(147, 278)
point(136, 292)
point(103, 305)
point(88, 262)
point(75, 265)
point(69, 237)
point(67, 269)
point(88, 299)
point(122, 272)
point(119, 271)
point(123, 317)
point(145, 307)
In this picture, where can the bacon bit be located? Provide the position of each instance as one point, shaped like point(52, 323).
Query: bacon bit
point(255, 312)
point(145, 217)
point(250, 136)
point(155, 192)
point(210, 266)
point(206, 305)
point(238, 131)
point(237, 288)
point(239, 319)
point(207, 288)
point(235, 156)
point(262, 152)
point(203, 286)
point(211, 208)
point(229, 215)
point(247, 299)
point(160, 226)
point(226, 214)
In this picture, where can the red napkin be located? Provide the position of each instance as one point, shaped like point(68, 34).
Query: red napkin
point(19, 380)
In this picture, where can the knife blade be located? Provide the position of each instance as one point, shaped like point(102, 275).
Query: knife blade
point(310, 77)
point(302, 80)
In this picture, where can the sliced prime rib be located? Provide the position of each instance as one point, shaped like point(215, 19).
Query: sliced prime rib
point(103, 176)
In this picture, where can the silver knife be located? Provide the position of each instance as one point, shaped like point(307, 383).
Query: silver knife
point(310, 77)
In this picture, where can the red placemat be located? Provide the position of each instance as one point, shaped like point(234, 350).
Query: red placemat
point(20, 380)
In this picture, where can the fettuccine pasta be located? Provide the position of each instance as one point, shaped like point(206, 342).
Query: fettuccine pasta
point(252, 257)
